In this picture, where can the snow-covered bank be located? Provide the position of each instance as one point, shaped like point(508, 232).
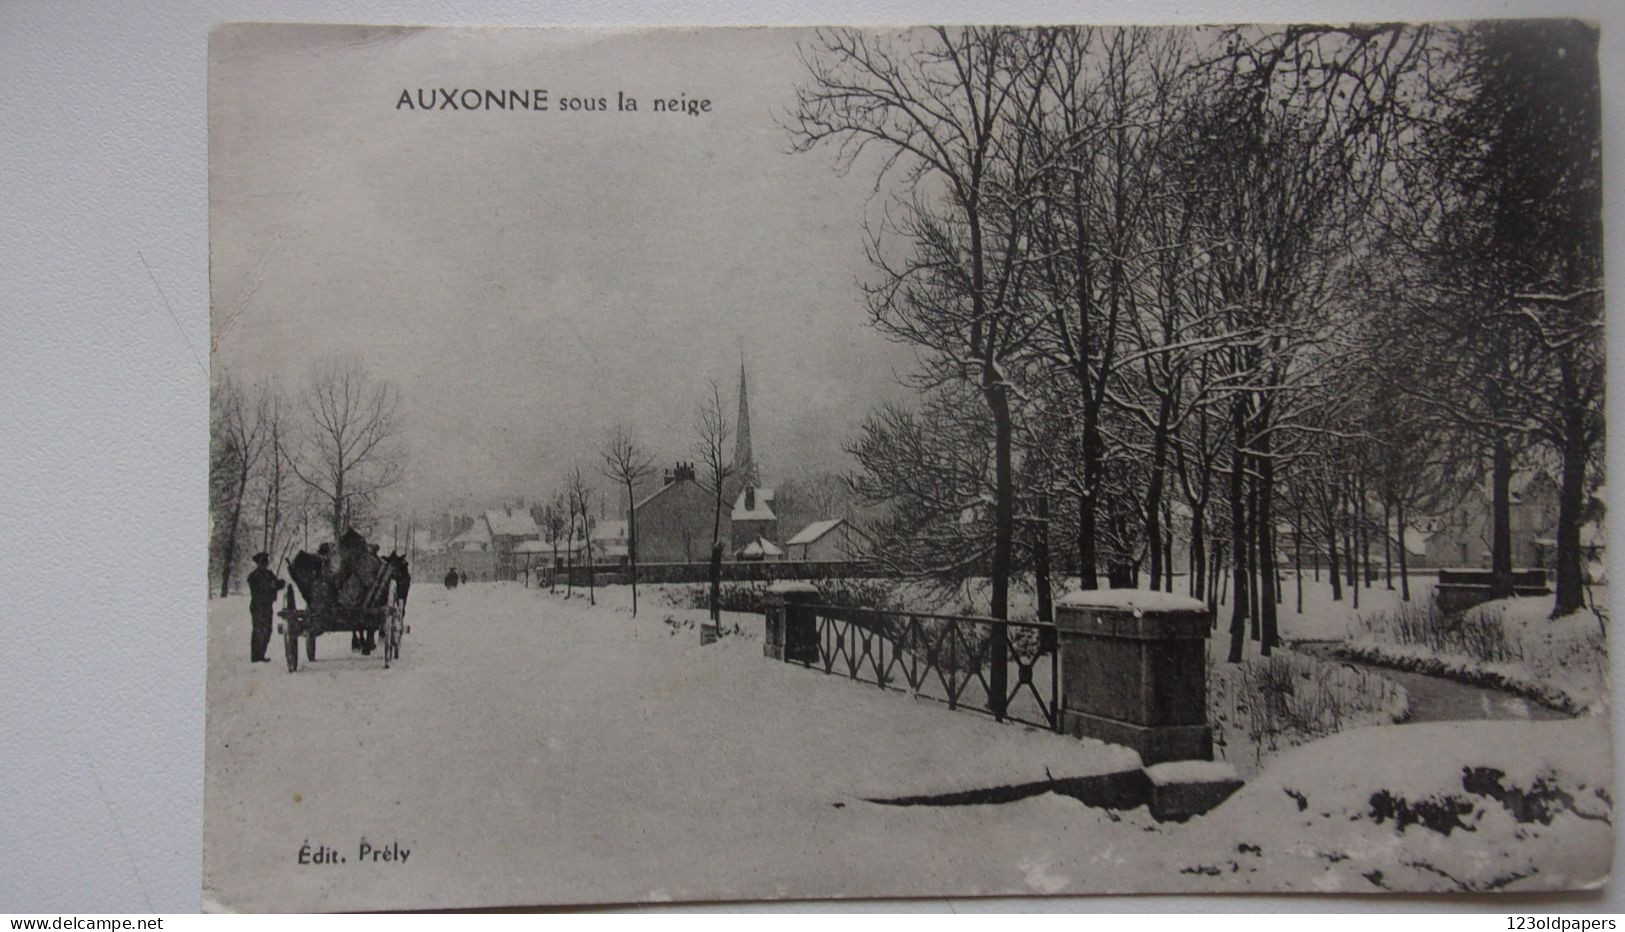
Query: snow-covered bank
point(1561, 663)
point(1442, 807)
point(1265, 706)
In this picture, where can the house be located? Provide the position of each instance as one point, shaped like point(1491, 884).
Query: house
point(609, 543)
point(676, 520)
point(752, 517)
point(507, 529)
point(829, 539)
point(531, 555)
point(475, 539)
point(759, 549)
point(1461, 537)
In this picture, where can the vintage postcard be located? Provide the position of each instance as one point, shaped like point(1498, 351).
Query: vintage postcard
point(741, 464)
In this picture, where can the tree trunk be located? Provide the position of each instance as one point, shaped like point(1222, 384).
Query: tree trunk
point(1501, 516)
point(716, 582)
point(570, 559)
point(1297, 556)
point(1570, 514)
point(338, 501)
point(1238, 532)
point(1254, 563)
point(1349, 561)
point(998, 402)
point(1349, 578)
point(1088, 560)
point(1404, 568)
point(1387, 544)
point(591, 587)
point(632, 544)
point(1364, 526)
point(1198, 556)
point(1046, 605)
point(1332, 570)
point(1153, 496)
point(1168, 545)
point(1266, 543)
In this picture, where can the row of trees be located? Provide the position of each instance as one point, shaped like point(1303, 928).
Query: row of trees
point(1217, 283)
point(279, 462)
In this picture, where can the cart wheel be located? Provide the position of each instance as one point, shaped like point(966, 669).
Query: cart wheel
point(310, 646)
point(290, 640)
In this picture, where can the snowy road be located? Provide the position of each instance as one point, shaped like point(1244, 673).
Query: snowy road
point(539, 750)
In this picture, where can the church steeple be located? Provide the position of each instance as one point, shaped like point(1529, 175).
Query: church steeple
point(744, 461)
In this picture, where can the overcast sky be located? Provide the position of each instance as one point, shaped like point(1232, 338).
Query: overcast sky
point(528, 279)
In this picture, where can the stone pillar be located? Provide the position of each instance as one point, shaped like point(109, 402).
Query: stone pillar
point(792, 628)
point(1134, 671)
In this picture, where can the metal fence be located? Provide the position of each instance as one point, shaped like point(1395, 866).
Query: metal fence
point(1007, 669)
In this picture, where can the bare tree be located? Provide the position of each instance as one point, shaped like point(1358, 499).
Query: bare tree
point(554, 520)
point(569, 540)
point(238, 440)
point(626, 462)
point(350, 453)
point(942, 107)
point(711, 443)
point(581, 503)
point(712, 433)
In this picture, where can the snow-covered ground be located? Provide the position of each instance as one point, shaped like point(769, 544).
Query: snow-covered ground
point(529, 749)
point(1560, 662)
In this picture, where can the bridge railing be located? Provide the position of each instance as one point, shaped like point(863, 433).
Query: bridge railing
point(1007, 669)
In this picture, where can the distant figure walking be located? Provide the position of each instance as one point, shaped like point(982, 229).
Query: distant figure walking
point(262, 589)
point(451, 578)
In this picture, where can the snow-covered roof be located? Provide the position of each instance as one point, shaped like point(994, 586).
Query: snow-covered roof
point(660, 491)
point(511, 523)
point(763, 510)
point(474, 535)
point(814, 531)
point(760, 547)
point(533, 546)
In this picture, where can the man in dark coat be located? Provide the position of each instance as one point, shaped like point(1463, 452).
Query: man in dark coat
point(403, 576)
point(262, 588)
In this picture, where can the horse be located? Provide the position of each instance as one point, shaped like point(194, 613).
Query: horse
point(347, 581)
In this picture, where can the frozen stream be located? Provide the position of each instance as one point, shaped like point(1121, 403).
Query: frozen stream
point(1435, 699)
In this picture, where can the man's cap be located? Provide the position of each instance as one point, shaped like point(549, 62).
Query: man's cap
point(262, 557)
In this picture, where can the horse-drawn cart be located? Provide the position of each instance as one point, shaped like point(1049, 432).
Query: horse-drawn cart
point(351, 589)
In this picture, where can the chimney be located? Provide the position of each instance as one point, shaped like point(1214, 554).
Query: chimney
point(750, 498)
point(666, 478)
